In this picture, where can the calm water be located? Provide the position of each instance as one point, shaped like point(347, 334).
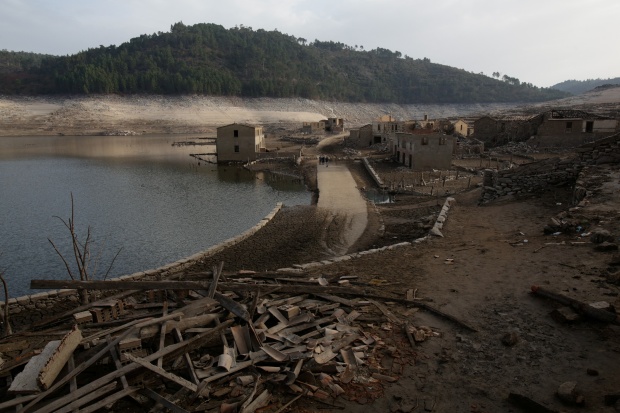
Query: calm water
point(141, 195)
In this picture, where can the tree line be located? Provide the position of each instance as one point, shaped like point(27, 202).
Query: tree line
point(211, 60)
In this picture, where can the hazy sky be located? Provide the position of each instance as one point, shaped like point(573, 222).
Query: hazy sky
point(542, 42)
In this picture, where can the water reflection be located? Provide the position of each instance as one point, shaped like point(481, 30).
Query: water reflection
point(379, 196)
point(140, 194)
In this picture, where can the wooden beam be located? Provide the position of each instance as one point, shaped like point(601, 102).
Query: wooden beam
point(119, 285)
point(217, 271)
point(178, 285)
point(117, 362)
point(176, 333)
point(88, 398)
point(163, 373)
point(109, 400)
point(224, 301)
point(160, 399)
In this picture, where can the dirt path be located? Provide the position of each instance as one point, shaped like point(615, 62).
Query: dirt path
point(481, 273)
point(338, 194)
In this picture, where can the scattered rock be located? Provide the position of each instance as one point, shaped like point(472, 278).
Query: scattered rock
point(606, 247)
point(510, 339)
point(565, 315)
point(568, 393)
point(592, 372)
point(600, 235)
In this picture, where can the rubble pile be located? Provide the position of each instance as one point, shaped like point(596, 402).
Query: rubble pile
point(263, 342)
point(516, 148)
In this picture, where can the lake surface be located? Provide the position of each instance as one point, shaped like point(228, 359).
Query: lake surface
point(140, 195)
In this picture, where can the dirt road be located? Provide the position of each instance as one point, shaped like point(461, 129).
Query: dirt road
point(339, 196)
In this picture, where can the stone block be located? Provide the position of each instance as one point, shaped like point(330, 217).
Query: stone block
point(39, 296)
point(23, 300)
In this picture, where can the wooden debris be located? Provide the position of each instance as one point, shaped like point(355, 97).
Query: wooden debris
point(26, 381)
point(163, 373)
point(59, 358)
point(287, 334)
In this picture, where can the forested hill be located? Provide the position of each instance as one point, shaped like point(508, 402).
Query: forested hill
point(577, 87)
point(211, 60)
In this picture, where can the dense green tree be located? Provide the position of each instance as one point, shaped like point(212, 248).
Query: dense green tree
point(211, 60)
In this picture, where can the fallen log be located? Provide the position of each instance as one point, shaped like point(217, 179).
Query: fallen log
point(583, 308)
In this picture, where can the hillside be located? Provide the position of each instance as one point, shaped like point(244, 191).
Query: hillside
point(207, 59)
point(577, 87)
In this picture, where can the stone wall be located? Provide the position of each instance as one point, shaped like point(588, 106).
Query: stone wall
point(373, 174)
point(537, 176)
point(31, 308)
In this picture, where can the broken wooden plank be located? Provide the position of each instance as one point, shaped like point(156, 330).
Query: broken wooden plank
point(176, 333)
point(59, 358)
point(162, 400)
point(162, 340)
point(217, 271)
point(109, 400)
point(16, 401)
point(26, 381)
point(88, 398)
point(163, 373)
point(394, 319)
point(14, 346)
point(117, 363)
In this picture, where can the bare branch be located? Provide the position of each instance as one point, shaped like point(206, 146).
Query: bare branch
point(63, 259)
point(112, 263)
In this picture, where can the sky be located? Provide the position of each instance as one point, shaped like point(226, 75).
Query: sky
point(543, 42)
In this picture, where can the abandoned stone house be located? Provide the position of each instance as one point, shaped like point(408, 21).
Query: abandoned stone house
point(334, 125)
point(500, 131)
point(554, 128)
point(239, 143)
point(464, 127)
point(423, 151)
point(384, 126)
point(313, 127)
point(570, 128)
point(360, 137)
point(426, 123)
